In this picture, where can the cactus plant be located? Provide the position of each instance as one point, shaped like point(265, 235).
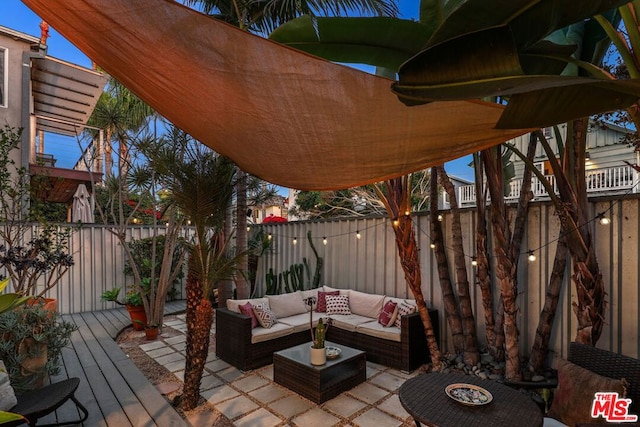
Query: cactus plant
point(318, 340)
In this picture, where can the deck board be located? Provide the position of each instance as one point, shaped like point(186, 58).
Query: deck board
point(112, 388)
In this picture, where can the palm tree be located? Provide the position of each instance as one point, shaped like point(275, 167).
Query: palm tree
point(262, 17)
point(201, 184)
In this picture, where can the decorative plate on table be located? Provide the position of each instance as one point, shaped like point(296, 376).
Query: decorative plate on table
point(468, 394)
point(332, 352)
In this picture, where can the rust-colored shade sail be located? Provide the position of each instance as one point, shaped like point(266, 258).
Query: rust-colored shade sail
point(285, 116)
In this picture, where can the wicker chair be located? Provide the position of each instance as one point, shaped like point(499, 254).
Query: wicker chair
point(36, 404)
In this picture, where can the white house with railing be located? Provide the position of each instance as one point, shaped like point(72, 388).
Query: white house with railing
point(608, 170)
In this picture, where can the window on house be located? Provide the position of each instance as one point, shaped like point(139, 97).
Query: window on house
point(3, 77)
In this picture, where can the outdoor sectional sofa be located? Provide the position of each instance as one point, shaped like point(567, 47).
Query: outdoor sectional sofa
point(247, 348)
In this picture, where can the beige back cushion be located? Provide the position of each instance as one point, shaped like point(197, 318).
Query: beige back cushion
point(286, 305)
point(234, 304)
point(365, 304)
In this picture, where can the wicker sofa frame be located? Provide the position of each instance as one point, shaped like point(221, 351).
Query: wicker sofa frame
point(611, 365)
point(234, 346)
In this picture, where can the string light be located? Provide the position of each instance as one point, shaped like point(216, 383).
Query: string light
point(248, 228)
point(407, 213)
point(358, 235)
point(603, 219)
point(440, 217)
point(432, 245)
point(295, 240)
point(396, 222)
point(270, 236)
point(532, 256)
point(324, 241)
point(474, 261)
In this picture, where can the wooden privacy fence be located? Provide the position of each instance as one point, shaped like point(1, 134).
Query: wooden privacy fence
point(371, 264)
point(98, 266)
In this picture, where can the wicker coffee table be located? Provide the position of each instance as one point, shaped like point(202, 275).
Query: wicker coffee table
point(291, 368)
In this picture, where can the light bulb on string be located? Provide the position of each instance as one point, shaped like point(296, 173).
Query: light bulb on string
point(407, 213)
point(474, 261)
point(324, 241)
point(295, 241)
point(358, 235)
point(603, 219)
point(432, 245)
point(248, 228)
point(270, 236)
point(532, 256)
point(440, 217)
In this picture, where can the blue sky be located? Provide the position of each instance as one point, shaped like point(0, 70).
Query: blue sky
point(15, 15)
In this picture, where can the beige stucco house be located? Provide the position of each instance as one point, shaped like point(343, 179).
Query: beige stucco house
point(45, 95)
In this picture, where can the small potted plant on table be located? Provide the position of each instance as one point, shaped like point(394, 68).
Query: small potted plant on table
point(318, 355)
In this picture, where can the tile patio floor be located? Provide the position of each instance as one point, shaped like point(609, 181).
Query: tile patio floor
point(253, 399)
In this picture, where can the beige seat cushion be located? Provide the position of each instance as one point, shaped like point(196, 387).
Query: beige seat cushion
point(300, 322)
point(278, 330)
point(375, 329)
point(348, 322)
point(234, 304)
point(286, 305)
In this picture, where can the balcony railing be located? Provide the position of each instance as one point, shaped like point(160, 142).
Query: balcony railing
point(616, 180)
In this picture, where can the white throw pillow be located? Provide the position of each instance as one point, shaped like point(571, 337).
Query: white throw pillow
point(265, 316)
point(338, 304)
point(286, 305)
point(404, 309)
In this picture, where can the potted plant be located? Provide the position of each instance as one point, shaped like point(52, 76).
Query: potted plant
point(151, 331)
point(133, 303)
point(318, 355)
point(32, 339)
point(35, 257)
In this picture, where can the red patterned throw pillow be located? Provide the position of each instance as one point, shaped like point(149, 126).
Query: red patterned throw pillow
point(247, 310)
point(321, 306)
point(404, 309)
point(388, 314)
point(338, 304)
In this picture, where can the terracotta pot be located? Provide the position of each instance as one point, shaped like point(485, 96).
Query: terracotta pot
point(50, 304)
point(318, 356)
point(138, 316)
point(151, 332)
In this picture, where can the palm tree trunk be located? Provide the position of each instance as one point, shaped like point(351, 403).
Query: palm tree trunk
point(471, 355)
point(409, 259)
point(483, 267)
point(504, 266)
point(225, 287)
point(451, 308)
point(397, 201)
point(197, 351)
point(243, 286)
point(540, 346)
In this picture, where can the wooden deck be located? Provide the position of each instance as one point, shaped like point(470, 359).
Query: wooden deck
point(111, 387)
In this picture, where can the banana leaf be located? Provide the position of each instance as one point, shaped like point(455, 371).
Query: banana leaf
point(529, 20)
point(379, 41)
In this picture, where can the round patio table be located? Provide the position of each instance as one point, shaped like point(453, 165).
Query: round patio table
point(424, 398)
